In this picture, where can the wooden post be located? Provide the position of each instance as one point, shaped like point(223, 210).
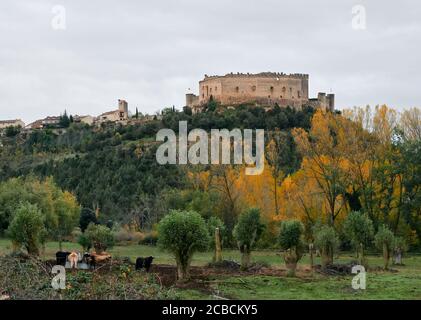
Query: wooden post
point(218, 246)
point(311, 251)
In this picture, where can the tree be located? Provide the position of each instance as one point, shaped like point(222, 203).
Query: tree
point(323, 151)
point(100, 237)
point(87, 216)
point(27, 228)
point(399, 248)
point(247, 232)
point(290, 240)
point(384, 240)
point(68, 214)
point(64, 120)
point(359, 229)
point(183, 233)
point(327, 241)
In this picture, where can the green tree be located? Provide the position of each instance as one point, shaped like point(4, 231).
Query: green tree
point(326, 239)
point(358, 228)
point(399, 248)
point(290, 240)
point(247, 232)
point(100, 237)
point(183, 233)
point(27, 228)
point(68, 214)
point(384, 240)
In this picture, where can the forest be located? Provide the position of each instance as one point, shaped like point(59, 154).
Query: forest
point(320, 167)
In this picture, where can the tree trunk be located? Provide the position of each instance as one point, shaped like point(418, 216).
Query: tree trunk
point(60, 245)
point(327, 257)
point(291, 259)
point(32, 249)
point(182, 271)
point(398, 257)
point(218, 246)
point(311, 251)
point(361, 257)
point(245, 260)
point(386, 257)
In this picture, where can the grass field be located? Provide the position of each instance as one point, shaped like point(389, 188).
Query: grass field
point(403, 283)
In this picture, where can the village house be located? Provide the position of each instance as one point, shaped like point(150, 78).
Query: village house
point(11, 123)
point(122, 114)
point(89, 120)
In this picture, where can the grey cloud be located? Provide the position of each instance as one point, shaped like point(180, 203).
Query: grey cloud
point(151, 52)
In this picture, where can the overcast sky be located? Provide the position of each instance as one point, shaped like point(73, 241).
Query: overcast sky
point(151, 52)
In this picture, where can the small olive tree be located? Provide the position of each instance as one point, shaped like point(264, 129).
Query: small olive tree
point(358, 228)
point(290, 240)
point(327, 241)
point(247, 232)
point(100, 237)
point(399, 248)
point(183, 233)
point(384, 241)
point(27, 228)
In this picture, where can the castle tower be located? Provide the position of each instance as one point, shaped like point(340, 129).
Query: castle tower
point(123, 107)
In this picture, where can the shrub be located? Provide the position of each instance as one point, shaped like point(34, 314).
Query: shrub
point(327, 241)
point(27, 228)
point(183, 233)
point(247, 232)
point(384, 241)
point(358, 228)
point(149, 239)
point(100, 237)
point(290, 240)
point(85, 242)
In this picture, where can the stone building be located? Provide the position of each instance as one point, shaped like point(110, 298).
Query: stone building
point(263, 89)
point(122, 114)
point(11, 123)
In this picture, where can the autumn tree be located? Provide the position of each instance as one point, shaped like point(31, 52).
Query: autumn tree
point(323, 152)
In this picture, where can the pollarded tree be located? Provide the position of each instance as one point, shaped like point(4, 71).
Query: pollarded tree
point(27, 228)
point(358, 228)
point(183, 233)
point(327, 241)
point(290, 240)
point(399, 248)
point(384, 240)
point(100, 237)
point(247, 232)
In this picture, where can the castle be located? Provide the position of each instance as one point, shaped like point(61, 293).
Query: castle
point(264, 89)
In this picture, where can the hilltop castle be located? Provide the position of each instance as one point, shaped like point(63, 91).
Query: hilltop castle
point(264, 89)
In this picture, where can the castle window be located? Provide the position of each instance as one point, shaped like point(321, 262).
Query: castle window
point(284, 89)
point(237, 89)
point(210, 90)
point(253, 88)
point(271, 89)
point(216, 89)
point(298, 94)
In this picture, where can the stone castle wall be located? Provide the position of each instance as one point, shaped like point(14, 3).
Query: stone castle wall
point(264, 89)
